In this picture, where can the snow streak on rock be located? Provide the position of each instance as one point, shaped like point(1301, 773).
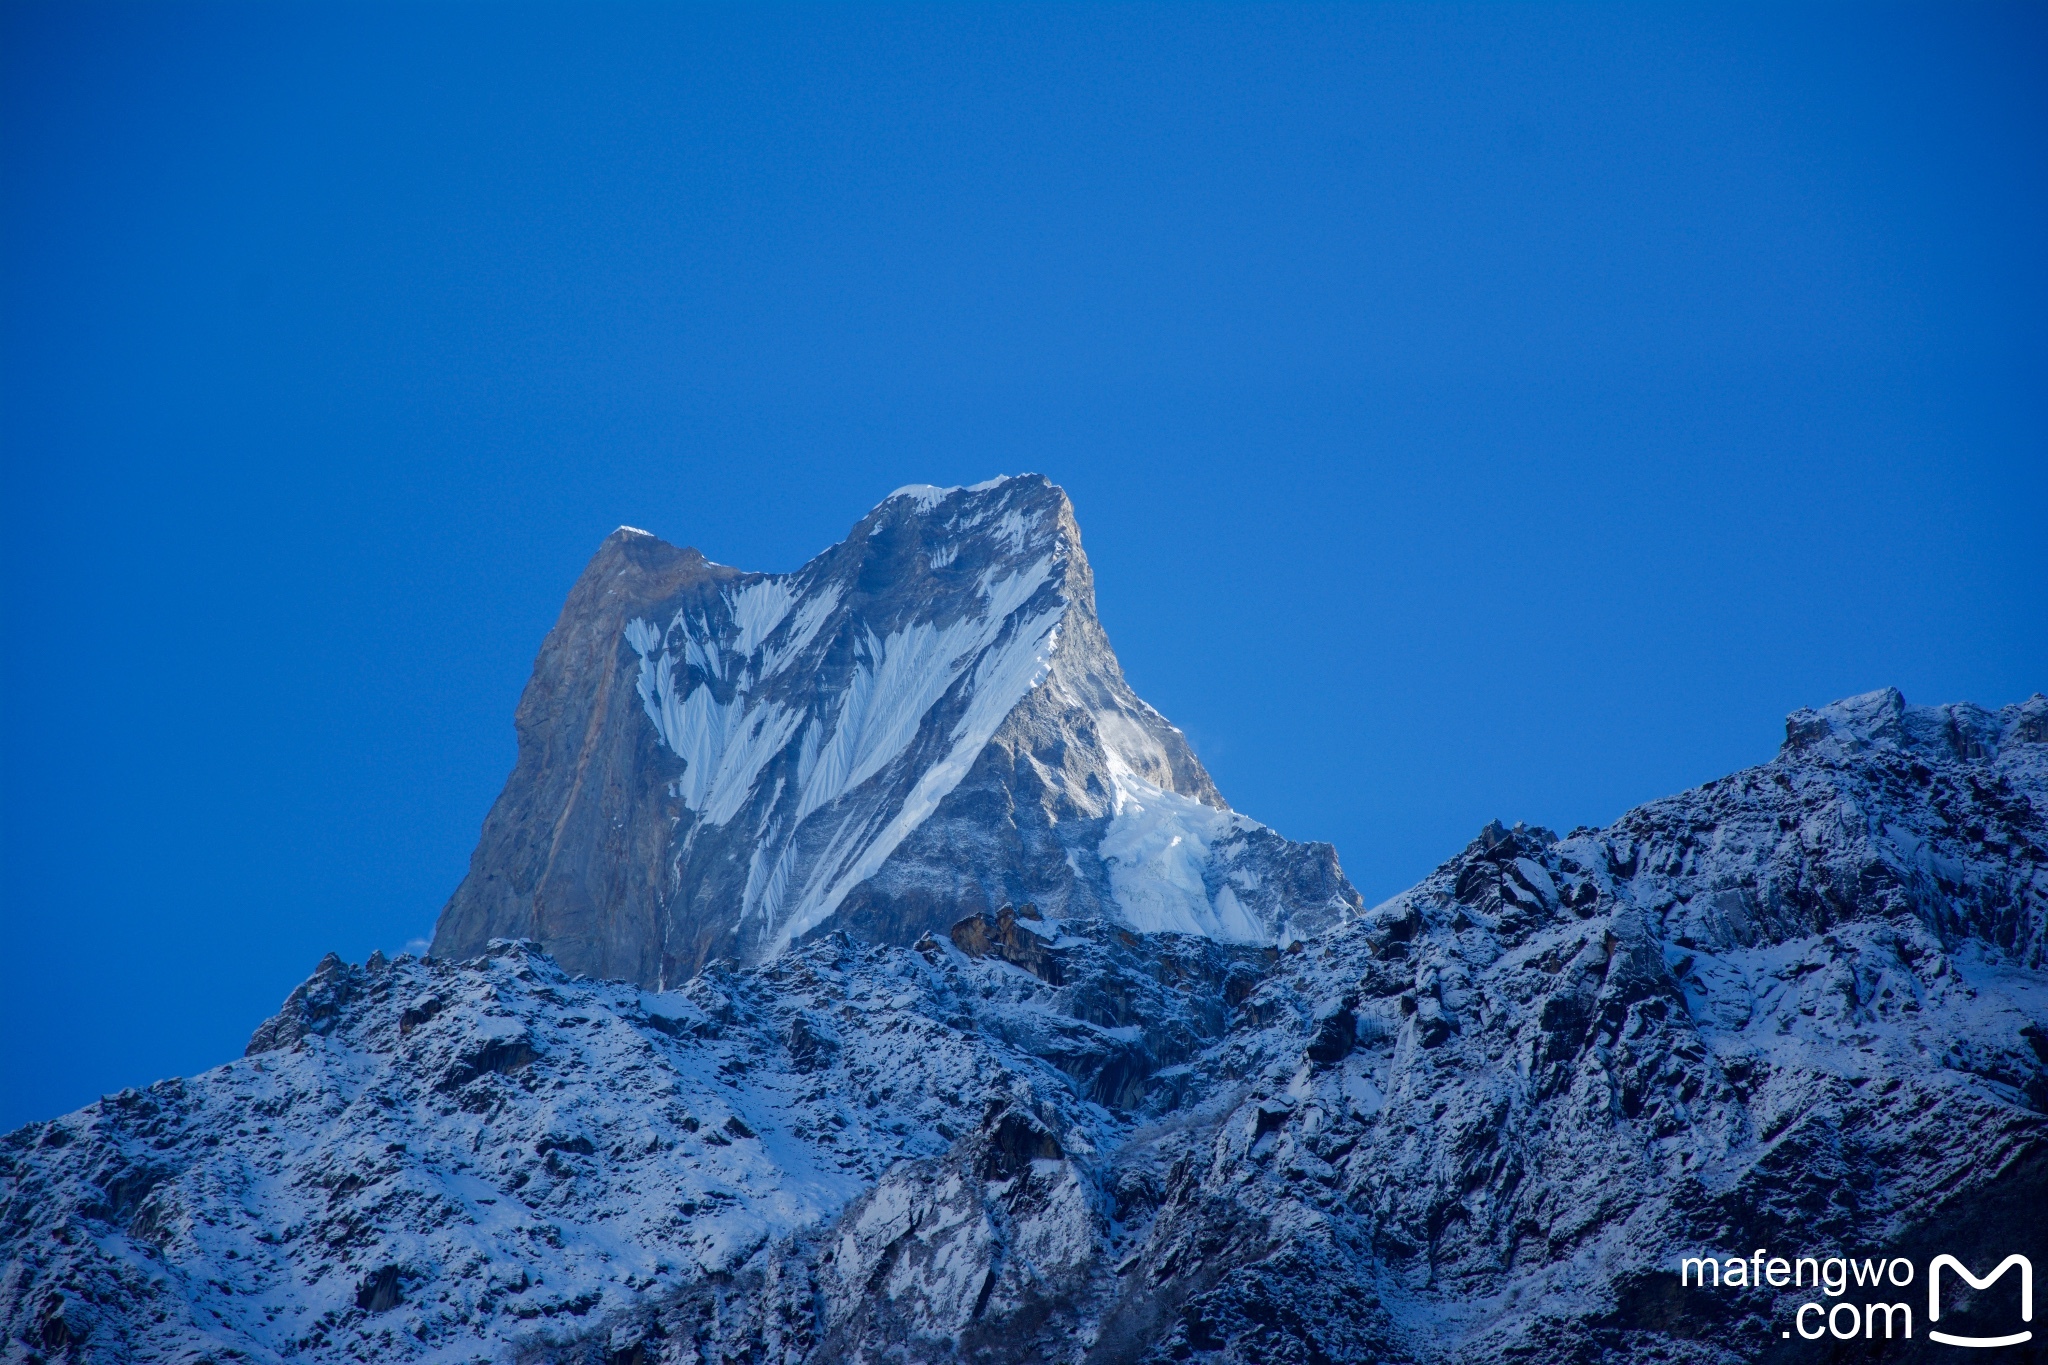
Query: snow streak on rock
point(895, 683)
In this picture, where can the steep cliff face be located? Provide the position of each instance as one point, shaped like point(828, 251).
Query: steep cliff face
point(925, 720)
point(1800, 1008)
point(574, 849)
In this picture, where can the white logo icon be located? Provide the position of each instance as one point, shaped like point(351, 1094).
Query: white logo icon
point(2026, 1298)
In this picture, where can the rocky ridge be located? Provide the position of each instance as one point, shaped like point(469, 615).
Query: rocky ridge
point(1802, 1007)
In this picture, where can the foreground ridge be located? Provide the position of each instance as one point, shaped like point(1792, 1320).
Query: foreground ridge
point(1801, 1007)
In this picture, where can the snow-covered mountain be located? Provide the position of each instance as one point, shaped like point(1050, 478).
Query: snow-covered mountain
point(1800, 1008)
point(924, 721)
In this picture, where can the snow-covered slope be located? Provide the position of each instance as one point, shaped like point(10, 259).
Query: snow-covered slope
point(420, 1160)
point(924, 721)
point(1801, 1008)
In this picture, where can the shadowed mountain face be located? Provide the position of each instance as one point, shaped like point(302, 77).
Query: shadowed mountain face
point(926, 721)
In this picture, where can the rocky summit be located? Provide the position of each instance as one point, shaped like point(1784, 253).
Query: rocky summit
point(993, 1104)
point(924, 721)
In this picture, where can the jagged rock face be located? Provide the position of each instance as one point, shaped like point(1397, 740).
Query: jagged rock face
point(1800, 1008)
point(923, 721)
point(428, 1160)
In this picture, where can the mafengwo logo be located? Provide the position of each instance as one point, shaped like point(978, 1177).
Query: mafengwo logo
point(1865, 1316)
point(2012, 1262)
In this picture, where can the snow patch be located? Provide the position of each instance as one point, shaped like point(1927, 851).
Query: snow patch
point(700, 683)
point(757, 609)
point(926, 496)
point(1157, 849)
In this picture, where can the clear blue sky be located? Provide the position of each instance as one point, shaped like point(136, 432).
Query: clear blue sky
point(1472, 412)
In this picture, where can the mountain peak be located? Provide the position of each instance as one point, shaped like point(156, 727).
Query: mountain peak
point(1885, 720)
point(927, 496)
point(924, 722)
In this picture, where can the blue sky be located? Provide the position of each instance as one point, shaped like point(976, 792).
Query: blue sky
point(1472, 412)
